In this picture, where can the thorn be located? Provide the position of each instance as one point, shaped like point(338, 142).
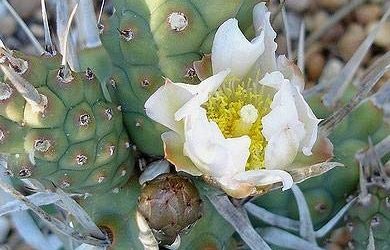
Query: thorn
point(37, 101)
point(64, 74)
point(49, 46)
point(100, 26)
point(19, 20)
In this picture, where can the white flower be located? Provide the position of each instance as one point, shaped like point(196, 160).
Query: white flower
point(244, 126)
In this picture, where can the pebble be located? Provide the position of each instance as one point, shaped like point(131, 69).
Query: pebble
point(315, 63)
point(383, 37)
point(7, 26)
point(350, 41)
point(368, 13)
point(313, 22)
point(332, 4)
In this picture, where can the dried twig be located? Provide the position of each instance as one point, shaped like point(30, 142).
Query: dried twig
point(271, 218)
point(53, 222)
point(238, 220)
point(306, 229)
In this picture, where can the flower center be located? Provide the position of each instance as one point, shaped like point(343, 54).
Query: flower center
point(237, 108)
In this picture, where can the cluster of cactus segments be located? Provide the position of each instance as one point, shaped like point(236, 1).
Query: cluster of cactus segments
point(152, 40)
point(75, 142)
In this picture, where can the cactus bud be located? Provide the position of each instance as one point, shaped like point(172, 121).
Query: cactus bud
point(170, 204)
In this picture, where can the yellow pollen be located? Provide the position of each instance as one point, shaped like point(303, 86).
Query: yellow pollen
point(237, 108)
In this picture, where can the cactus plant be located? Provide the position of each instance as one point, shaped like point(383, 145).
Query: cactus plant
point(76, 142)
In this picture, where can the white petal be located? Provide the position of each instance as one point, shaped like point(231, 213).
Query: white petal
point(209, 150)
point(291, 72)
point(266, 177)
point(173, 148)
point(282, 129)
point(201, 93)
point(231, 49)
point(274, 80)
point(163, 104)
point(310, 121)
point(262, 24)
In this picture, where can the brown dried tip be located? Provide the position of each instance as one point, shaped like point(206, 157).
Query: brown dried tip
point(170, 204)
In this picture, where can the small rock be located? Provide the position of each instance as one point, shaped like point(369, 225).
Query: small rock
point(350, 41)
point(313, 22)
point(314, 64)
point(331, 69)
point(333, 34)
point(332, 4)
point(368, 13)
point(25, 8)
point(7, 25)
point(383, 37)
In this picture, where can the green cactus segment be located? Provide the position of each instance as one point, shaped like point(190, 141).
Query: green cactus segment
point(78, 143)
point(374, 213)
point(114, 212)
point(149, 40)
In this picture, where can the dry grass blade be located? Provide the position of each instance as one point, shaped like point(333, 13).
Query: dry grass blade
point(340, 14)
point(145, 233)
point(87, 25)
point(271, 218)
point(72, 207)
point(30, 232)
point(37, 101)
point(49, 46)
point(238, 220)
point(371, 240)
point(375, 72)
point(340, 83)
point(284, 239)
point(287, 33)
point(330, 225)
point(301, 48)
point(278, 10)
point(25, 28)
point(306, 229)
point(38, 199)
point(52, 222)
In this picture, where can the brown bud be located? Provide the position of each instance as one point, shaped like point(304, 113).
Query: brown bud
point(170, 204)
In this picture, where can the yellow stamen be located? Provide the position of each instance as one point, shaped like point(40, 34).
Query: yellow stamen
point(237, 108)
